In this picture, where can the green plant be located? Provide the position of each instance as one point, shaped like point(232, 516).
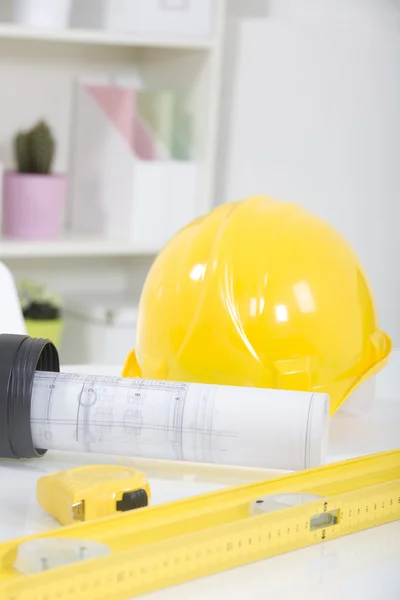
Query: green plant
point(34, 149)
point(37, 302)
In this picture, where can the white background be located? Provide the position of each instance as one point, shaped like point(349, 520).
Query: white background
point(311, 114)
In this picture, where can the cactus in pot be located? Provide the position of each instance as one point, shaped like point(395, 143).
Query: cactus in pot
point(34, 149)
point(33, 196)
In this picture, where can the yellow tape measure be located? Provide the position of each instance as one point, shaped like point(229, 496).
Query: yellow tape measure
point(140, 551)
point(92, 492)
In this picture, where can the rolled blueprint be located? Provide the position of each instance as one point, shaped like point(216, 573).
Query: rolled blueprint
point(253, 427)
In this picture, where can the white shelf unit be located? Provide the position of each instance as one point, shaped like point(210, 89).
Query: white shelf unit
point(10, 31)
point(71, 247)
point(38, 68)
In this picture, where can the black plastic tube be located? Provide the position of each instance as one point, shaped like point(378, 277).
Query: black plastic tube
point(20, 357)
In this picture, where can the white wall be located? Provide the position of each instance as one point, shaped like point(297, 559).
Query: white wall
point(311, 114)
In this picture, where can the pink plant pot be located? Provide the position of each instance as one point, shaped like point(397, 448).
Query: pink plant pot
point(33, 205)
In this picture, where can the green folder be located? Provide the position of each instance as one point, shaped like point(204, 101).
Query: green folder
point(167, 117)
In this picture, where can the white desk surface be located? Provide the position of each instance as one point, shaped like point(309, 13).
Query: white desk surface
point(362, 566)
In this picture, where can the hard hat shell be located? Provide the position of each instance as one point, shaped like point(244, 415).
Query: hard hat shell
point(259, 293)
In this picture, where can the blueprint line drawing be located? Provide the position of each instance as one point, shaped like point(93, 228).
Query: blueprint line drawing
point(179, 421)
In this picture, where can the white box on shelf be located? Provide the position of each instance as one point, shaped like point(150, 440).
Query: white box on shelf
point(106, 332)
point(162, 17)
point(54, 14)
point(164, 195)
point(114, 193)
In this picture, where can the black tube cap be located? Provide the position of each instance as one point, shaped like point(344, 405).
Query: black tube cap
point(20, 357)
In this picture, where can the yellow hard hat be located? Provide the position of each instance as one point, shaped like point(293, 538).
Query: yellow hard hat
point(259, 293)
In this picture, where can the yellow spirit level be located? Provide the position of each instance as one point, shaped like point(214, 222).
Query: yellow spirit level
point(136, 552)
